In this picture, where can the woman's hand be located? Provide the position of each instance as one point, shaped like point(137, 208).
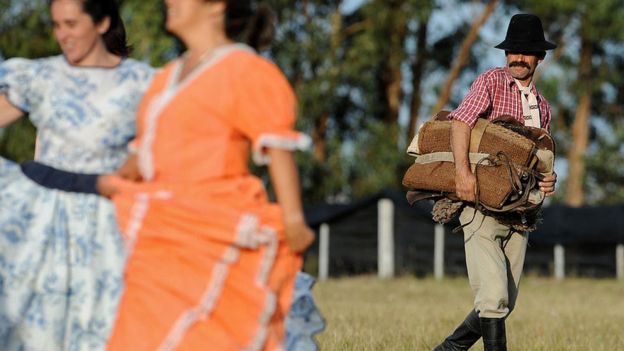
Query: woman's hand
point(105, 186)
point(130, 169)
point(298, 235)
point(547, 185)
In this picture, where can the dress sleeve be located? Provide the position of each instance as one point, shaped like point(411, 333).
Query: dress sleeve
point(266, 110)
point(16, 82)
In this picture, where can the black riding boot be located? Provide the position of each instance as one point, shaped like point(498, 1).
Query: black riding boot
point(493, 330)
point(466, 334)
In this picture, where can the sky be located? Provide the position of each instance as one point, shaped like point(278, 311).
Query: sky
point(349, 6)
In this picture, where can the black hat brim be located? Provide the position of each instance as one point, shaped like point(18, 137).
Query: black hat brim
point(525, 46)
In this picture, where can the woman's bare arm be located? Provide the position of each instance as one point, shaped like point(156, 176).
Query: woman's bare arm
point(8, 112)
point(285, 180)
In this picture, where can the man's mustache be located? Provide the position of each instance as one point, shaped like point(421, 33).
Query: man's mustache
point(519, 63)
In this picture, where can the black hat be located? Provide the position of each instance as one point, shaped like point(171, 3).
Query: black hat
point(525, 34)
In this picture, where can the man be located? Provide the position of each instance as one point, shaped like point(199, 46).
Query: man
point(494, 252)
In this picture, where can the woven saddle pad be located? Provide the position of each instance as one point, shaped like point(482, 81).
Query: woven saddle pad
point(504, 157)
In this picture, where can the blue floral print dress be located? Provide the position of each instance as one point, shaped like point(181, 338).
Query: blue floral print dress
point(61, 254)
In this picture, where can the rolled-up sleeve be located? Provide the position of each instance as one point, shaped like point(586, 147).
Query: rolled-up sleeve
point(477, 102)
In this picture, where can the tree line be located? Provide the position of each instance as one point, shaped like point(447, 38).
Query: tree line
point(367, 74)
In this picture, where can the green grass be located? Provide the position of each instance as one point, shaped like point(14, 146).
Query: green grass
point(366, 313)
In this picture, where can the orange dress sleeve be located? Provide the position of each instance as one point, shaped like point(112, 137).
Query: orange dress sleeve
point(266, 109)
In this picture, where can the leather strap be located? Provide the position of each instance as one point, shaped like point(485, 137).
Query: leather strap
point(413, 195)
point(447, 156)
point(475, 139)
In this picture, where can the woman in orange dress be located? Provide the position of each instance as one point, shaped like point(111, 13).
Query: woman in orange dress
point(212, 261)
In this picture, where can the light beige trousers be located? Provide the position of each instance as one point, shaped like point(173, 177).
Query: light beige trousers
point(494, 258)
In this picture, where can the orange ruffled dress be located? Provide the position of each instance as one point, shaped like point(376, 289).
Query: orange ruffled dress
point(209, 268)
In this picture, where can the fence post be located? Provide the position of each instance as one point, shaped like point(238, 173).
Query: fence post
point(559, 261)
point(438, 252)
point(385, 238)
point(323, 252)
point(619, 261)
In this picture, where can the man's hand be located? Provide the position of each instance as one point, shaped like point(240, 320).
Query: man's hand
point(547, 185)
point(465, 185)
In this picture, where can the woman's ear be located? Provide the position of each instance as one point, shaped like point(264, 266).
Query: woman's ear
point(104, 25)
point(217, 7)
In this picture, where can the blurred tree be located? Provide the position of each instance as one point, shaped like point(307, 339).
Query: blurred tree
point(145, 23)
point(593, 35)
point(464, 55)
point(308, 48)
point(17, 142)
point(350, 72)
point(25, 31)
point(418, 64)
point(606, 167)
point(356, 71)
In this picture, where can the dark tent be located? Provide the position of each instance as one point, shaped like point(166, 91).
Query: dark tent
point(589, 235)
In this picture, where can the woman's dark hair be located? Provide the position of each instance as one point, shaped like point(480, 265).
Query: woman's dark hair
point(115, 37)
point(250, 23)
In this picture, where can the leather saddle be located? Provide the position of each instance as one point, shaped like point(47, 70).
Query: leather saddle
point(507, 158)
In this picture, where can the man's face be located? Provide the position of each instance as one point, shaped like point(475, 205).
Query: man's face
point(522, 65)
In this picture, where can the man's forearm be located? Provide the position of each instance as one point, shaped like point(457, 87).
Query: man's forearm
point(465, 181)
point(460, 142)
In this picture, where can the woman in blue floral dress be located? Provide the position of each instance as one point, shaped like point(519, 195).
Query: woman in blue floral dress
point(61, 255)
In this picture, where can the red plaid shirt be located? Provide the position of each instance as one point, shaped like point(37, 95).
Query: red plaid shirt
point(495, 93)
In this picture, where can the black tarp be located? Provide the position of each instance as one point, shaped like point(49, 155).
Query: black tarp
point(582, 225)
point(589, 235)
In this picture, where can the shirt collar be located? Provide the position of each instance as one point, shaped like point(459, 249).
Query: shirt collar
point(511, 82)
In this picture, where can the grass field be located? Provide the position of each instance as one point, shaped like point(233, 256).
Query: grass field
point(366, 313)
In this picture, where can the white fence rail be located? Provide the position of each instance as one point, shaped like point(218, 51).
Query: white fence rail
point(438, 252)
point(323, 269)
point(385, 238)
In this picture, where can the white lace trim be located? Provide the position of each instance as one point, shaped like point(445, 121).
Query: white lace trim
point(137, 215)
point(159, 102)
point(206, 304)
point(260, 157)
point(249, 235)
point(268, 236)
